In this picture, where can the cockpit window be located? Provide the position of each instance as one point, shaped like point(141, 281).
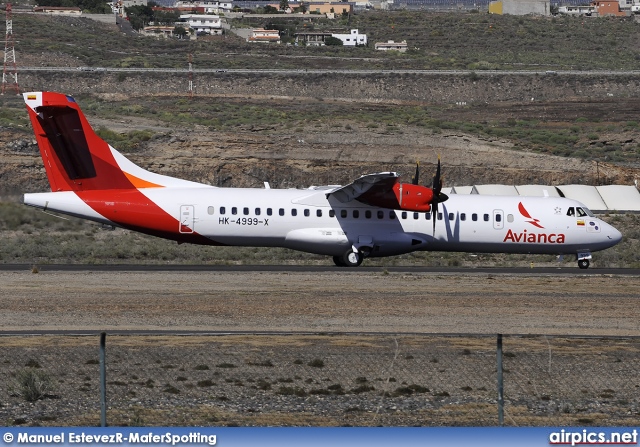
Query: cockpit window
point(571, 211)
point(583, 212)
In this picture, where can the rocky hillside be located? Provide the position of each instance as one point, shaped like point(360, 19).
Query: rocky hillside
point(333, 151)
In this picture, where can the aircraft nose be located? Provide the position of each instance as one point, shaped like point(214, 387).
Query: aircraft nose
point(613, 235)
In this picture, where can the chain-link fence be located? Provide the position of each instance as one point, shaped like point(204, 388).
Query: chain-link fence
point(320, 380)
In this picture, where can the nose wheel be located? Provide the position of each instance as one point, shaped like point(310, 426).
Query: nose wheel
point(583, 263)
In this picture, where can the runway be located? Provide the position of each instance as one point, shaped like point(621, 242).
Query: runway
point(316, 268)
point(318, 299)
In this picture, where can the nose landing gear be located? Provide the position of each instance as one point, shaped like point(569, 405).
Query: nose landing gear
point(583, 259)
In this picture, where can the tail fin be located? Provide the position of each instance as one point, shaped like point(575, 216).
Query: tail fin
point(75, 157)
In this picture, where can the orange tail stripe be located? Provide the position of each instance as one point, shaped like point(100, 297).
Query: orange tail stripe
point(139, 183)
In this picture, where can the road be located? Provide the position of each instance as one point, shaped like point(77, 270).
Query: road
point(340, 71)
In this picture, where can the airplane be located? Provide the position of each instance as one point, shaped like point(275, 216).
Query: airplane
point(374, 216)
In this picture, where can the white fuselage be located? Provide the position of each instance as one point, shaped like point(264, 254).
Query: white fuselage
point(306, 220)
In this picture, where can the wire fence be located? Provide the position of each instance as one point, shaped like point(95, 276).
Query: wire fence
point(320, 380)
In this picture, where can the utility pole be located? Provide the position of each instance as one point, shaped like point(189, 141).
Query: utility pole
point(10, 71)
point(190, 75)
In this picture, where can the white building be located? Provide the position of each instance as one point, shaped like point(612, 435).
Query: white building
point(578, 10)
point(352, 39)
point(390, 45)
point(264, 35)
point(203, 23)
point(209, 6)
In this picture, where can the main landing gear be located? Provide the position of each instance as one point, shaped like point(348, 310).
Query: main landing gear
point(349, 259)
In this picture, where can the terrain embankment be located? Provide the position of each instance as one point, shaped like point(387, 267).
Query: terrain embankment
point(419, 87)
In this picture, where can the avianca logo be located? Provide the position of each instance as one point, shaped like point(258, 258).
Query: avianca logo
point(525, 213)
point(533, 238)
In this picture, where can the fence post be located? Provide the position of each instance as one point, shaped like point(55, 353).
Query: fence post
point(500, 383)
point(103, 381)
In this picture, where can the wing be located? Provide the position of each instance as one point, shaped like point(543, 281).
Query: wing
point(372, 189)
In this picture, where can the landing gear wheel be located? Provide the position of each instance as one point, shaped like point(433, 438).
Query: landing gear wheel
point(337, 260)
point(351, 259)
point(583, 263)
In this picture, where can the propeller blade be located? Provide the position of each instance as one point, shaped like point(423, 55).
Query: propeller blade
point(434, 215)
point(416, 178)
point(437, 181)
point(438, 195)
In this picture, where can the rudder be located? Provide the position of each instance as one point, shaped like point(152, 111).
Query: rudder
point(74, 156)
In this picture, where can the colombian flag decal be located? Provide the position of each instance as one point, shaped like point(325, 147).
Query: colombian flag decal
point(580, 223)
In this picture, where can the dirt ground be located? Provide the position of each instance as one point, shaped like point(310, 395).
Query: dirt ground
point(581, 370)
point(568, 304)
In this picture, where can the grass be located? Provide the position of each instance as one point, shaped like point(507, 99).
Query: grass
point(549, 133)
point(474, 41)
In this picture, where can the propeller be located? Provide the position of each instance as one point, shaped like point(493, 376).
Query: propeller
point(438, 195)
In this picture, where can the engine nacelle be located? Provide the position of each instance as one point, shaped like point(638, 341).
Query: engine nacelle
point(413, 197)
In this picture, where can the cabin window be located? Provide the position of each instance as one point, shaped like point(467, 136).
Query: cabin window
point(257, 211)
point(498, 217)
point(486, 217)
point(510, 218)
point(404, 215)
point(210, 210)
point(234, 210)
point(319, 213)
point(307, 213)
point(392, 214)
point(269, 211)
point(223, 210)
point(294, 212)
point(380, 214)
point(474, 217)
point(367, 214)
point(439, 216)
point(245, 211)
point(451, 216)
point(463, 216)
point(427, 216)
point(416, 216)
point(281, 211)
point(332, 213)
point(356, 214)
point(343, 213)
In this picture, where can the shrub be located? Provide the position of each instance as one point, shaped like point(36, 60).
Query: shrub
point(33, 384)
point(316, 363)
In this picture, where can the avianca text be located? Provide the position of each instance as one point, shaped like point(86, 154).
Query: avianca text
point(534, 238)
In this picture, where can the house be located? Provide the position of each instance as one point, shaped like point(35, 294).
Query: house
point(158, 31)
point(577, 10)
point(203, 23)
point(311, 38)
point(352, 39)
point(520, 7)
point(608, 8)
point(206, 6)
point(58, 10)
point(264, 35)
point(390, 45)
point(320, 7)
